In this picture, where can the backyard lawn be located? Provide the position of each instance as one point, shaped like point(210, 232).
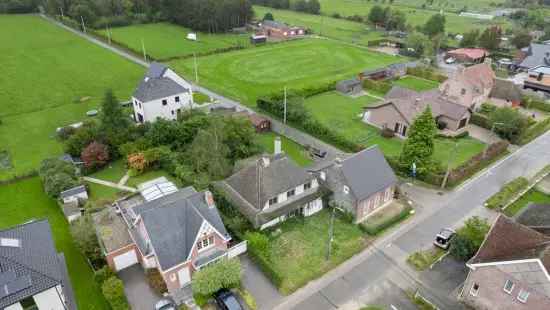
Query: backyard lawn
point(50, 78)
point(343, 114)
point(164, 40)
point(249, 73)
point(294, 150)
point(416, 83)
point(532, 196)
point(25, 200)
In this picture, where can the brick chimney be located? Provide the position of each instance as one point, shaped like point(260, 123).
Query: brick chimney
point(209, 199)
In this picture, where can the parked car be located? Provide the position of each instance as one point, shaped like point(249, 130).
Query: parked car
point(450, 60)
point(165, 304)
point(443, 239)
point(226, 300)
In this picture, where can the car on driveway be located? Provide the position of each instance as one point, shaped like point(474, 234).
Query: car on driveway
point(226, 300)
point(450, 60)
point(165, 304)
point(443, 239)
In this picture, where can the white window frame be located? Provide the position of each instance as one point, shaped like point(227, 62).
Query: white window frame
point(522, 293)
point(307, 186)
point(275, 201)
point(474, 291)
point(293, 191)
point(205, 243)
point(346, 189)
point(508, 291)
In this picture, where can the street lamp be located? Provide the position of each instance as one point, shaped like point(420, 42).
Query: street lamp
point(492, 133)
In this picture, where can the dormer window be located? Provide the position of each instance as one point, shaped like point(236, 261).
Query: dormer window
point(205, 243)
point(290, 193)
point(307, 186)
point(164, 102)
point(273, 201)
point(177, 99)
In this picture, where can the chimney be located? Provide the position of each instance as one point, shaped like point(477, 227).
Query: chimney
point(277, 147)
point(209, 199)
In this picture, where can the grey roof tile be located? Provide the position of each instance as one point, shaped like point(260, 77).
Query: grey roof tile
point(537, 55)
point(156, 88)
point(73, 191)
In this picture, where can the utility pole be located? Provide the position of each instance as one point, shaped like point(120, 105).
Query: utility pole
point(61, 9)
point(143, 48)
point(284, 103)
point(196, 69)
point(330, 232)
point(108, 34)
point(451, 159)
point(83, 26)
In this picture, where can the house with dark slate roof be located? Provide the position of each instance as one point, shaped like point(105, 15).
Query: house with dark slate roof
point(362, 184)
point(273, 189)
point(510, 270)
point(178, 234)
point(32, 274)
point(161, 94)
point(505, 94)
point(534, 55)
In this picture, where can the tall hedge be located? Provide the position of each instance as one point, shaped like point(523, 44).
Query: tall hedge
point(113, 290)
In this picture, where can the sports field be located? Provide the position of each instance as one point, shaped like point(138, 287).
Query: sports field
point(163, 40)
point(249, 73)
point(50, 78)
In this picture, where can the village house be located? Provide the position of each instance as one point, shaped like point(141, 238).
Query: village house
point(505, 94)
point(469, 86)
point(280, 30)
point(175, 231)
point(401, 106)
point(534, 55)
point(272, 189)
point(362, 184)
point(349, 87)
point(538, 79)
point(510, 270)
point(32, 274)
point(161, 94)
point(468, 55)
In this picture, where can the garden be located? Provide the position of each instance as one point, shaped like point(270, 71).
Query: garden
point(416, 83)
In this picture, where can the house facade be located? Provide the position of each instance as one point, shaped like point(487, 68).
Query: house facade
point(32, 274)
point(510, 270)
point(177, 233)
point(470, 55)
point(538, 79)
point(161, 94)
point(273, 189)
point(281, 30)
point(362, 184)
point(505, 94)
point(534, 55)
point(469, 86)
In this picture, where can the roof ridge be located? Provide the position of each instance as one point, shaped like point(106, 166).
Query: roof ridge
point(30, 268)
point(32, 221)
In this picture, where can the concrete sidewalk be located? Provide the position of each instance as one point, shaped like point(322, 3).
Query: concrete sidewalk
point(110, 184)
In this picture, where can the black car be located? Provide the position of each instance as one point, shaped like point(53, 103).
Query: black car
point(226, 300)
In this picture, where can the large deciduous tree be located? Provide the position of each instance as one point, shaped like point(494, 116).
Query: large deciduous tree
point(376, 15)
point(468, 239)
point(435, 25)
point(95, 155)
point(521, 39)
point(470, 38)
point(419, 145)
point(490, 38)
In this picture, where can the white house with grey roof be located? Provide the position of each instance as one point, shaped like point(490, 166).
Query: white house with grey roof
point(32, 274)
point(161, 94)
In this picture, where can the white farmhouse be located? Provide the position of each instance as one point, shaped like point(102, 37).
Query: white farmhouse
point(161, 94)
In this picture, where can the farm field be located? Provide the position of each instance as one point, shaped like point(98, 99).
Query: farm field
point(342, 113)
point(25, 200)
point(415, 83)
point(250, 73)
point(483, 6)
point(50, 79)
point(164, 40)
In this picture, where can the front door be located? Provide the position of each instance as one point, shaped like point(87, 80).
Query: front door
point(396, 128)
point(184, 276)
point(404, 133)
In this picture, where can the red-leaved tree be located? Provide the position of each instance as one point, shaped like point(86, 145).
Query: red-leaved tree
point(95, 155)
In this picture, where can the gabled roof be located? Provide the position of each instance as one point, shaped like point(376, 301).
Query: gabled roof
point(173, 222)
point(506, 90)
point(534, 215)
point(473, 53)
point(32, 267)
point(156, 88)
point(73, 191)
point(478, 76)
point(274, 24)
point(537, 55)
point(349, 83)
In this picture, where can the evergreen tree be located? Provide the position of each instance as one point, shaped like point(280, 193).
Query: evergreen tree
point(419, 145)
point(376, 15)
point(490, 38)
point(112, 117)
point(435, 25)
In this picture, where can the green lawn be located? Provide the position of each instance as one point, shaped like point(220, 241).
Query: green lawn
point(532, 196)
point(150, 175)
point(291, 148)
point(50, 78)
point(164, 40)
point(342, 113)
point(415, 83)
point(25, 200)
point(297, 254)
point(249, 73)
point(113, 172)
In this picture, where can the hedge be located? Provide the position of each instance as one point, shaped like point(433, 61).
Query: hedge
point(378, 86)
point(535, 103)
point(534, 131)
point(481, 120)
point(113, 290)
point(426, 73)
point(506, 193)
point(374, 230)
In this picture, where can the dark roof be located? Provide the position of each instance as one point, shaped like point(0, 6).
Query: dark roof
point(374, 71)
point(505, 89)
point(73, 191)
point(349, 83)
point(534, 215)
point(274, 24)
point(367, 172)
point(156, 88)
point(537, 54)
point(258, 183)
point(32, 267)
point(173, 222)
point(508, 240)
point(156, 70)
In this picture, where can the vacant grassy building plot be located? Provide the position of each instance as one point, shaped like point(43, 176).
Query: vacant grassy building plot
point(415, 83)
point(50, 78)
point(165, 40)
point(249, 73)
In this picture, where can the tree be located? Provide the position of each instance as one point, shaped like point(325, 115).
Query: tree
point(420, 44)
point(396, 20)
point(113, 120)
point(113, 290)
point(57, 176)
point(376, 15)
point(240, 138)
point(490, 38)
point(225, 273)
point(435, 25)
point(509, 123)
point(268, 16)
point(82, 137)
point(468, 238)
point(470, 38)
point(85, 238)
point(521, 39)
point(419, 145)
point(95, 155)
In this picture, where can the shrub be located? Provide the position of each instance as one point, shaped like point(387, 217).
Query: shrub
point(95, 155)
point(258, 241)
point(155, 280)
point(534, 131)
point(426, 73)
point(81, 138)
point(225, 273)
point(468, 238)
point(65, 132)
point(506, 193)
point(85, 238)
point(248, 299)
point(103, 274)
point(378, 86)
point(137, 162)
point(511, 123)
point(200, 300)
point(57, 175)
point(113, 290)
point(481, 120)
point(535, 103)
point(374, 230)
point(487, 108)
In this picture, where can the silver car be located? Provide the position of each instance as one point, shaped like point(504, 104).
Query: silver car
point(165, 304)
point(443, 239)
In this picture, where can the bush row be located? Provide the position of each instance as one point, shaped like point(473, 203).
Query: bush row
point(426, 73)
point(535, 103)
point(374, 230)
point(378, 86)
point(534, 131)
point(112, 288)
point(507, 192)
point(481, 120)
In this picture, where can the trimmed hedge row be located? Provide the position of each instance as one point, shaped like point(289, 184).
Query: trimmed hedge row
point(378, 86)
point(113, 290)
point(481, 120)
point(507, 192)
point(426, 73)
point(374, 230)
point(534, 131)
point(535, 103)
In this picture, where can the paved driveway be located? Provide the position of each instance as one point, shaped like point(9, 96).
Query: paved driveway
point(446, 277)
point(139, 294)
point(254, 281)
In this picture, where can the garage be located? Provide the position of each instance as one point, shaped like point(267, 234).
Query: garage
point(125, 260)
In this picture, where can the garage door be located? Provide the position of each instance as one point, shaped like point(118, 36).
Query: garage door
point(125, 260)
point(184, 276)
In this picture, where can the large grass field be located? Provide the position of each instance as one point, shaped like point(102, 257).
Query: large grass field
point(50, 78)
point(25, 200)
point(342, 113)
point(165, 40)
point(247, 74)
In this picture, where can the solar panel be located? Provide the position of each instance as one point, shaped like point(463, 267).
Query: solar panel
point(10, 242)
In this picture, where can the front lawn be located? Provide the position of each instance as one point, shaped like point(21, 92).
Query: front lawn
point(164, 40)
point(25, 200)
point(294, 150)
point(298, 248)
point(532, 196)
point(422, 260)
point(416, 83)
point(250, 73)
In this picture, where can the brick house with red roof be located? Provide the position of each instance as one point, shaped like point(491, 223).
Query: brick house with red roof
point(470, 86)
point(472, 55)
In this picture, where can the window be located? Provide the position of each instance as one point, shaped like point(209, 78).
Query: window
point(172, 112)
point(290, 193)
point(523, 295)
point(28, 304)
point(474, 290)
point(307, 186)
point(272, 201)
point(508, 286)
point(164, 102)
point(396, 127)
point(462, 122)
point(177, 99)
point(205, 243)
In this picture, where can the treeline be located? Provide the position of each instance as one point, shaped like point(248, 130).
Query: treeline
point(306, 6)
point(18, 6)
point(200, 15)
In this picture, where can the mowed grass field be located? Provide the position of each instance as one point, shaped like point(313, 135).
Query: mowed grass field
point(50, 78)
point(247, 74)
point(416, 83)
point(25, 200)
point(164, 40)
point(343, 114)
